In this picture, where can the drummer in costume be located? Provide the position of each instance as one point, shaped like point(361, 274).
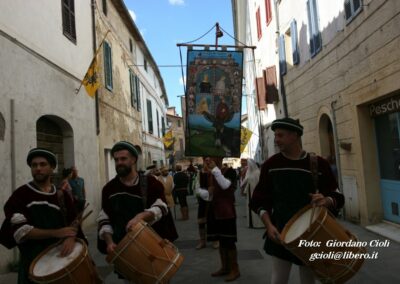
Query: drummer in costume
point(36, 214)
point(221, 221)
point(285, 186)
point(123, 201)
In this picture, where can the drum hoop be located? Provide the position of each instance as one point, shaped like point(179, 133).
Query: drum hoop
point(296, 216)
point(131, 239)
point(175, 260)
point(85, 254)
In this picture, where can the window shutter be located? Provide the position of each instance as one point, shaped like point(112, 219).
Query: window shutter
point(315, 35)
point(260, 85)
point(295, 46)
point(108, 66)
point(271, 85)
point(282, 55)
point(149, 116)
point(137, 84)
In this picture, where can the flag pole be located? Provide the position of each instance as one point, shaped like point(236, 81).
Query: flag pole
point(95, 55)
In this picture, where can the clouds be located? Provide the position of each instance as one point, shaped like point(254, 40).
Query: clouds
point(177, 2)
point(133, 15)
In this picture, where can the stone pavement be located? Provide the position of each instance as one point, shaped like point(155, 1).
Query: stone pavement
point(254, 264)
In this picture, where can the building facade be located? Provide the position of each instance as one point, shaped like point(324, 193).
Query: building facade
point(132, 100)
point(255, 26)
point(339, 63)
point(42, 62)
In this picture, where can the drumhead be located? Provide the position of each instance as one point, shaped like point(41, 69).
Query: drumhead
point(301, 224)
point(52, 262)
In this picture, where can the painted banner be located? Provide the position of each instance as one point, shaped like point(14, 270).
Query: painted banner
point(213, 103)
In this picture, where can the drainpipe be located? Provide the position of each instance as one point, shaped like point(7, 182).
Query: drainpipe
point(12, 157)
point(96, 96)
point(281, 82)
point(336, 141)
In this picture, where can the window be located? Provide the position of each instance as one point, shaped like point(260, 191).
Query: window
point(134, 83)
point(68, 19)
point(108, 66)
point(282, 55)
point(268, 11)
point(295, 43)
point(315, 35)
point(179, 123)
point(163, 126)
point(150, 116)
point(145, 64)
point(157, 124)
point(352, 8)
point(105, 7)
point(130, 45)
point(258, 19)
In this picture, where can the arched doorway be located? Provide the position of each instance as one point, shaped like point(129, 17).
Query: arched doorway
point(56, 134)
point(327, 142)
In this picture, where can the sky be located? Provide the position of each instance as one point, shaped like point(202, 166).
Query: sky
point(164, 23)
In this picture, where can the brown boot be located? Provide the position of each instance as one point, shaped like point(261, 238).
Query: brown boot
point(185, 213)
point(232, 260)
point(224, 270)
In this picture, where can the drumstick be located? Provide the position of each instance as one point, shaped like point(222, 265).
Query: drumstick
point(87, 215)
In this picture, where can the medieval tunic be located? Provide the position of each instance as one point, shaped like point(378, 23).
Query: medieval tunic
point(121, 203)
point(284, 189)
point(221, 221)
point(29, 208)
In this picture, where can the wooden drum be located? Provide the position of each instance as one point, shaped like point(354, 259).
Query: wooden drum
point(143, 257)
point(49, 267)
point(305, 237)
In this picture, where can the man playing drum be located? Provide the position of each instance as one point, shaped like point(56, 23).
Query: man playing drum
point(286, 185)
point(123, 202)
point(36, 214)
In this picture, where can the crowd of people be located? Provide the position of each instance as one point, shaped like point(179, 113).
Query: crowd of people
point(39, 213)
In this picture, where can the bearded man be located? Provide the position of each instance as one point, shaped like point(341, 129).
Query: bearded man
point(124, 202)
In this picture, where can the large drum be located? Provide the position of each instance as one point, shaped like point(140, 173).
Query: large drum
point(143, 257)
point(305, 237)
point(77, 267)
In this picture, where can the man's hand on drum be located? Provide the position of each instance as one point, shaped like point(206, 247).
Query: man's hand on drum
point(320, 200)
point(67, 246)
point(146, 216)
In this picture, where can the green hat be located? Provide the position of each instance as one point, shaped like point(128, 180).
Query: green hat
point(288, 124)
point(124, 145)
point(41, 152)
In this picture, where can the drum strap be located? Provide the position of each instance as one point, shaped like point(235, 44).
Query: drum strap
point(63, 208)
point(143, 189)
point(314, 170)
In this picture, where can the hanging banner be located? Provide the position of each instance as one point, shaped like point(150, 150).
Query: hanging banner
point(245, 136)
point(213, 103)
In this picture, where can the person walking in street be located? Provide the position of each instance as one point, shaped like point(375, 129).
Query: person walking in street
point(249, 184)
point(242, 174)
point(286, 185)
point(181, 181)
point(168, 183)
point(123, 203)
point(77, 184)
point(37, 215)
point(64, 184)
point(221, 221)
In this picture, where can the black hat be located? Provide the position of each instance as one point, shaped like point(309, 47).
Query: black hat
point(124, 145)
point(41, 152)
point(289, 124)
